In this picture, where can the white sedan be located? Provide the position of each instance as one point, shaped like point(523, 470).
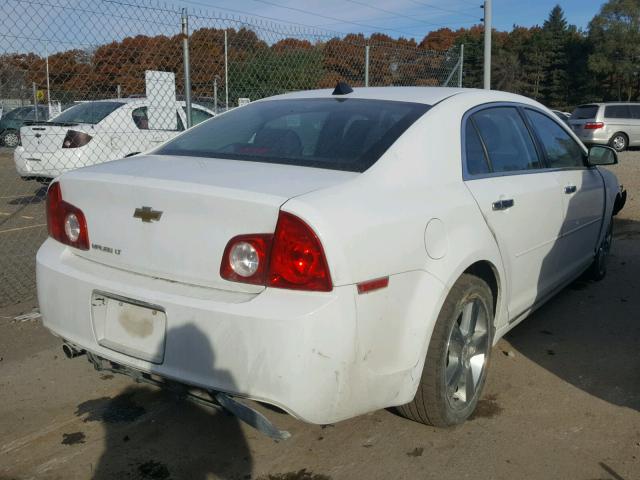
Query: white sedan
point(96, 132)
point(330, 253)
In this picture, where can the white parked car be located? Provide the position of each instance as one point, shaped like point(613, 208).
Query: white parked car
point(329, 253)
point(95, 132)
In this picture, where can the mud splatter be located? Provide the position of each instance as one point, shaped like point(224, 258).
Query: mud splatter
point(153, 471)
point(73, 438)
point(487, 408)
point(416, 452)
point(299, 475)
point(121, 409)
point(106, 376)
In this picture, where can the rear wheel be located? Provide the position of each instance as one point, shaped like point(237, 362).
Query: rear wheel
point(619, 142)
point(599, 266)
point(455, 369)
point(10, 139)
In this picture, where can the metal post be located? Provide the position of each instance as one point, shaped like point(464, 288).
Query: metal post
point(215, 94)
point(461, 63)
point(487, 44)
point(46, 47)
point(366, 66)
point(226, 71)
point(187, 67)
point(35, 100)
point(119, 91)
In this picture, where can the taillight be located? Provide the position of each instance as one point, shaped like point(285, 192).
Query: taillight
point(65, 222)
point(75, 139)
point(593, 125)
point(245, 259)
point(291, 258)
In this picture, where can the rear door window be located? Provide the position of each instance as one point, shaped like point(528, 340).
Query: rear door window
point(561, 150)
point(507, 139)
point(635, 111)
point(476, 159)
point(585, 112)
point(141, 119)
point(197, 115)
point(617, 111)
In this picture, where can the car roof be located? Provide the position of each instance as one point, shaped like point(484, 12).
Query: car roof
point(426, 95)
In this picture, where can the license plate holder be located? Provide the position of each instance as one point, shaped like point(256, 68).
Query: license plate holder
point(129, 326)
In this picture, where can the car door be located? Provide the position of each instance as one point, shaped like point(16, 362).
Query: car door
point(582, 192)
point(634, 131)
point(152, 137)
point(519, 199)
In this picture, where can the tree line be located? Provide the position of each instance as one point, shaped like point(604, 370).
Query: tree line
point(556, 63)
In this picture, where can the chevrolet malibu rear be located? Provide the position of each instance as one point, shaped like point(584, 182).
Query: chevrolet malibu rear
point(311, 251)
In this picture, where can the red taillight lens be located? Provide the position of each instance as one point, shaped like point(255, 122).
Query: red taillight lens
point(297, 258)
point(593, 125)
point(74, 139)
point(290, 258)
point(245, 259)
point(65, 222)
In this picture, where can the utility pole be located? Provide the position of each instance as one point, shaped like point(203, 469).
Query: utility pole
point(226, 72)
point(187, 66)
point(366, 66)
point(487, 44)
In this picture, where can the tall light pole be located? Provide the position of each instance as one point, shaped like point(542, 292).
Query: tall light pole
point(487, 44)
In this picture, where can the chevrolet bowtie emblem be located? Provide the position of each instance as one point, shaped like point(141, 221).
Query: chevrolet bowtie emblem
point(147, 214)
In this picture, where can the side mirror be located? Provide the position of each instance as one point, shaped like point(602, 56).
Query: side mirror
point(601, 155)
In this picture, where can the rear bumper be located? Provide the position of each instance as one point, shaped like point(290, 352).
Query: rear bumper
point(296, 350)
point(594, 137)
point(49, 164)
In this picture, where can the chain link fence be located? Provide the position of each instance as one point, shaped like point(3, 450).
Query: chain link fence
point(84, 82)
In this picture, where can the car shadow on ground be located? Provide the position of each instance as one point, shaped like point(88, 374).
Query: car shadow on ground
point(151, 434)
point(589, 334)
point(39, 195)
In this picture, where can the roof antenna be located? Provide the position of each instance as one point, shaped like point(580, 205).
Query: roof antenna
point(342, 88)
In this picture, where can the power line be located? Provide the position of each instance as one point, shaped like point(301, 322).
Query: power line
point(340, 20)
point(400, 15)
point(455, 12)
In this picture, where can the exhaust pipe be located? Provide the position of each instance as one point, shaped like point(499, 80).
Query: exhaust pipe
point(70, 351)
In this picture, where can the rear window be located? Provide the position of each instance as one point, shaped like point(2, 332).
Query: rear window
point(617, 111)
point(584, 111)
point(89, 112)
point(332, 133)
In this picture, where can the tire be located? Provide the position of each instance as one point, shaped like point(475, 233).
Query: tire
point(598, 269)
point(10, 139)
point(619, 142)
point(451, 357)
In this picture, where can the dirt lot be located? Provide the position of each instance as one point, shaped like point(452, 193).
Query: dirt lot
point(562, 402)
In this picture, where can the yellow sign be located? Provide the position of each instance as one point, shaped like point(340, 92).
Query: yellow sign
point(41, 95)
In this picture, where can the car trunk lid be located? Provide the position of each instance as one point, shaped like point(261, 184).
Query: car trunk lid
point(171, 217)
point(48, 137)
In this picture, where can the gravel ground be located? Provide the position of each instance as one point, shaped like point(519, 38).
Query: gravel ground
point(562, 401)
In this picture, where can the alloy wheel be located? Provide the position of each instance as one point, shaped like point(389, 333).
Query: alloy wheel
point(467, 353)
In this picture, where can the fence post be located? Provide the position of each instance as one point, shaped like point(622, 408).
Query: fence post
point(119, 91)
point(366, 66)
point(215, 94)
point(226, 71)
point(187, 66)
point(461, 63)
point(35, 99)
point(487, 44)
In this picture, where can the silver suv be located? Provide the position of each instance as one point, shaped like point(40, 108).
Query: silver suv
point(614, 124)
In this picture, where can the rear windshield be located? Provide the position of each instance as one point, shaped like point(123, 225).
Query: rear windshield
point(584, 111)
point(89, 112)
point(332, 133)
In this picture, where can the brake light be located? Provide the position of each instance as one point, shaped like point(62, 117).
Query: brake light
point(291, 258)
point(593, 125)
point(65, 222)
point(75, 139)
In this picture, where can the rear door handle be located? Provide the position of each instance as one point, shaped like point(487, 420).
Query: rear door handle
point(502, 204)
point(570, 189)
